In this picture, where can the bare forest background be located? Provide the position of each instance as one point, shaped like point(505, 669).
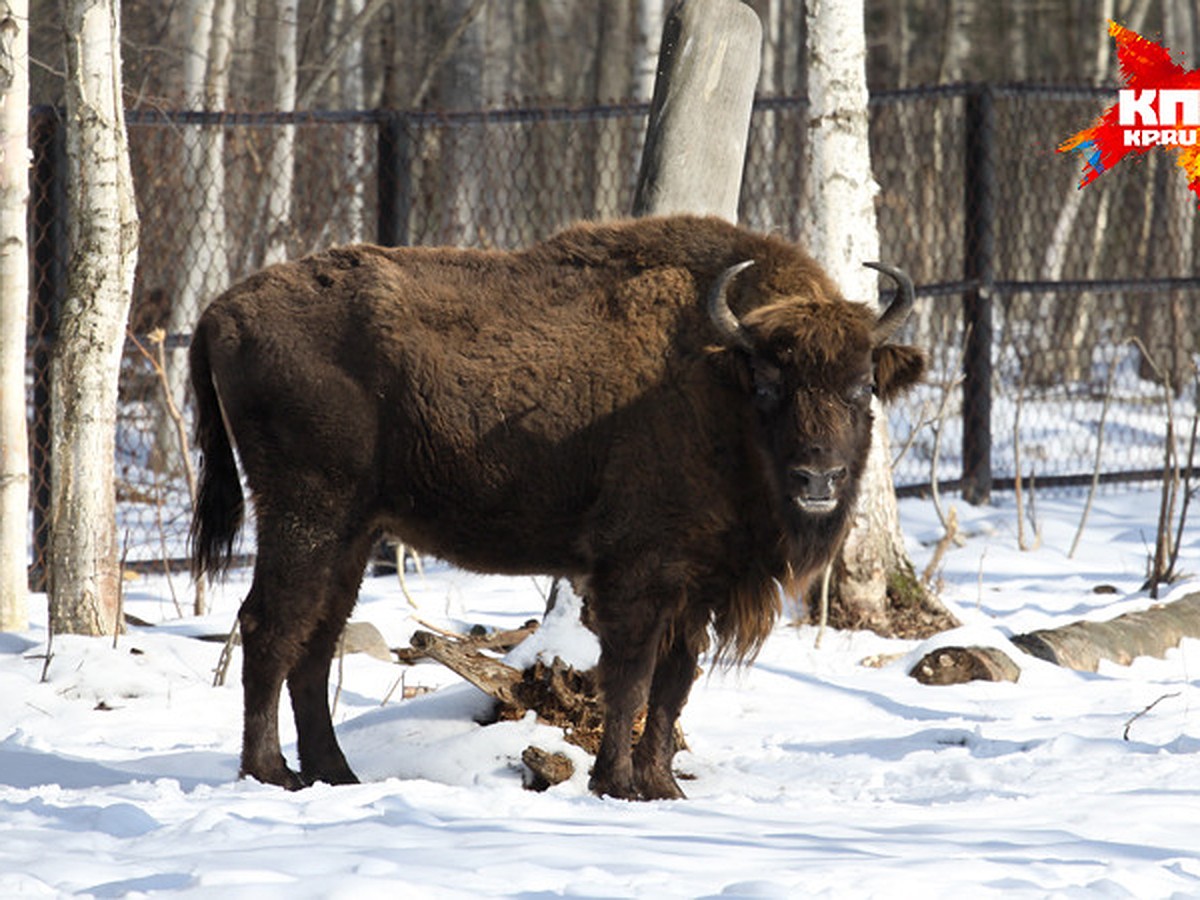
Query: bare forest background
point(265, 129)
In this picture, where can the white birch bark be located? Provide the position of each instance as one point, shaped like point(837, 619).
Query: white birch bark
point(279, 193)
point(84, 576)
point(14, 300)
point(841, 233)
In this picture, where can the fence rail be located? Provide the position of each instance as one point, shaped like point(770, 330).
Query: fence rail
point(1028, 290)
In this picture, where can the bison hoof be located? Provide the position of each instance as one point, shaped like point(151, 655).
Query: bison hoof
point(660, 785)
point(647, 786)
point(618, 788)
point(339, 776)
point(278, 774)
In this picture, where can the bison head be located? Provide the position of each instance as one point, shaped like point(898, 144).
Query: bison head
point(812, 366)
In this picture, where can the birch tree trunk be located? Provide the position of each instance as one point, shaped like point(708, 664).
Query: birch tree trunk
point(84, 576)
point(841, 233)
point(14, 301)
point(283, 99)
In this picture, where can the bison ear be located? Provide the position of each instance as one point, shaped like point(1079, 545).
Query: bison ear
point(897, 368)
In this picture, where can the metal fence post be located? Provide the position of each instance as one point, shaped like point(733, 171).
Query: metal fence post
point(48, 205)
point(394, 181)
point(978, 271)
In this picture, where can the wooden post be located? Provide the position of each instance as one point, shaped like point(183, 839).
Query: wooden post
point(700, 115)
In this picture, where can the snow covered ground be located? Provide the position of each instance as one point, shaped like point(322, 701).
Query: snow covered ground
point(809, 773)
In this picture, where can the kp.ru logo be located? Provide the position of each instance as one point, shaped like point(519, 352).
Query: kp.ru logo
point(1174, 120)
point(1159, 108)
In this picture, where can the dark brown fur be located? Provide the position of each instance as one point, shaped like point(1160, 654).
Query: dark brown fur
point(567, 409)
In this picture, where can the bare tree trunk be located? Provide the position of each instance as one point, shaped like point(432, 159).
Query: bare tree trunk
point(283, 99)
point(354, 142)
point(204, 264)
point(649, 33)
point(1163, 323)
point(84, 576)
point(612, 80)
point(462, 89)
point(696, 139)
point(14, 302)
point(873, 578)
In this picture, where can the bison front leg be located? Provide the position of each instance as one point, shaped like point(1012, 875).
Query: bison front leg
point(673, 677)
point(630, 633)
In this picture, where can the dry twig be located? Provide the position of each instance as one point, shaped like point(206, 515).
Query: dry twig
point(158, 362)
point(1087, 506)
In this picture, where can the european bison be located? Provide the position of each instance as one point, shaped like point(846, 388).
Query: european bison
point(673, 412)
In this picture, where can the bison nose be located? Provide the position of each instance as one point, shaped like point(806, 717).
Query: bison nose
point(817, 485)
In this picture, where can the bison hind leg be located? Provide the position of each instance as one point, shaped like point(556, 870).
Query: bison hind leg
point(262, 681)
point(321, 758)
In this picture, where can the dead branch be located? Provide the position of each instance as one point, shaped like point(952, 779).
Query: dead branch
point(494, 678)
point(158, 362)
point(496, 641)
point(1138, 715)
point(222, 670)
point(1170, 484)
point(1087, 506)
point(938, 426)
point(1018, 496)
point(1187, 485)
point(952, 536)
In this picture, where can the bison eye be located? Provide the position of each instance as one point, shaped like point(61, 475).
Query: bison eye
point(860, 394)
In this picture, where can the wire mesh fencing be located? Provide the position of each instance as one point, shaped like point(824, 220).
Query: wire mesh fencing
point(1041, 305)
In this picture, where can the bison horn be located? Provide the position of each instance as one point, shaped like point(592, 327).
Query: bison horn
point(720, 313)
point(893, 317)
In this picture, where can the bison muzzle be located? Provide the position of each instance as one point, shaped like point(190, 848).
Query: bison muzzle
point(673, 412)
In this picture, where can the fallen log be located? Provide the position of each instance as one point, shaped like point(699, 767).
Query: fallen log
point(491, 676)
point(1079, 645)
point(557, 693)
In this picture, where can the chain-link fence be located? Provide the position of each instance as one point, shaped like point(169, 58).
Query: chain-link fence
point(1035, 290)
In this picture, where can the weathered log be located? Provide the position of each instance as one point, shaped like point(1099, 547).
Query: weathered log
point(495, 641)
point(1079, 645)
point(494, 678)
point(1150, 632)
point(546, 769)
point(956, 665)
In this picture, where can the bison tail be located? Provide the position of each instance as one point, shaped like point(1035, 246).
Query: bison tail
point(220, 506)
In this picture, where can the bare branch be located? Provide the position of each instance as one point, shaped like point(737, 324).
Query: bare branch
point(1087, 507)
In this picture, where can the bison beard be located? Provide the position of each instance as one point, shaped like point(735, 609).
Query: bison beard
point(626, 405)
